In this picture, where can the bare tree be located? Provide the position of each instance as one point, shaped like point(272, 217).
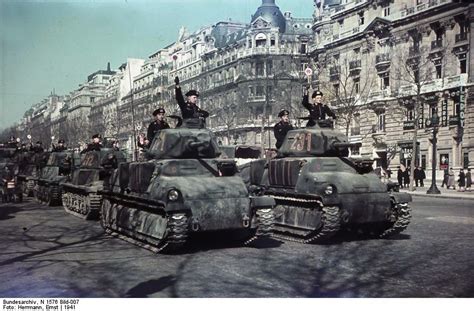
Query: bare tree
point(346, 85)
point(412, 69)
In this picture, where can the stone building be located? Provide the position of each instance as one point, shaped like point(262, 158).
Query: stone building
point(387, 66)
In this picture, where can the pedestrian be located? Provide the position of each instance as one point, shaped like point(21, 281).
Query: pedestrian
point(406, 177)
point(422, 177)
point(417, 176)
point(95, 145)
point(189, 108)
point(400, 176)
point(281, 128)
point(461, 180)
point(317, 110)
point(156, 126)
point(445, 178)
point(468, 180)
point(451, 179)
point(389, 173)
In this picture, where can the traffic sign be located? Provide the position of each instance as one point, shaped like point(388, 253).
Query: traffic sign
point(308, 71)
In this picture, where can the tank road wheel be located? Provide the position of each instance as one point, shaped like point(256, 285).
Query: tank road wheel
point(177, 234)
point(53, 196)
point(402, 212)
point(264, 222)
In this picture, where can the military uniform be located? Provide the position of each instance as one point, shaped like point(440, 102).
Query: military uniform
point(281, 128)
point(94, 146)
point(318, 111)
point(154, 128)
point(60, 147)
point(189, 110)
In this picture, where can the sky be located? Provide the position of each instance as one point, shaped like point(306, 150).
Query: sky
point(54, 45)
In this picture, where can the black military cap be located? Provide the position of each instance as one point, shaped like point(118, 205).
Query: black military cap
point(39, 143)
point(61, 141)
point(96, 136)
point(157, 111)
point(192, 92)
point(316, 93)
point(283, 112)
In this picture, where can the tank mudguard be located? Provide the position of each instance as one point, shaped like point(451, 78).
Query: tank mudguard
point(400, 197)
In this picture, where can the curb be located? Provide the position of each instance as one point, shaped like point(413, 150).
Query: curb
point(442, 196)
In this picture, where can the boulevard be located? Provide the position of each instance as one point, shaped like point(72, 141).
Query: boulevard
point(49, 253)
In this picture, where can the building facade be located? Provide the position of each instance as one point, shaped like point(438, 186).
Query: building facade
point(388, 67)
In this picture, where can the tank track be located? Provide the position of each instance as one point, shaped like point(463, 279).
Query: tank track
point(265, 218)
point(28, 188)
point(403, 214)
point(176, 237)
point(330, 226)
point(77, 205)
point(53, 195)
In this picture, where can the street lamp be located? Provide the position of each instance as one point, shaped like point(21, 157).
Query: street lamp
point(433, 122)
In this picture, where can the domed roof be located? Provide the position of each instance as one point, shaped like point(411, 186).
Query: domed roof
point(271, 13)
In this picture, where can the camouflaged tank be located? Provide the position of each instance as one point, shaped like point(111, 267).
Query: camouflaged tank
point(58, 169)
point(80, 195)
point(30, 164)
point(10, 187)
point(183, 188)
point(318, 190)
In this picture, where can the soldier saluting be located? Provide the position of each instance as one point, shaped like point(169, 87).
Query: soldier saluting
point(189, 108)
point(95, 145)
point(317, 110)
point(60, 147)
point(281, 128)
point(156, 126)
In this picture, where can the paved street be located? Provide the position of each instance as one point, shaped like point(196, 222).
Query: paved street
point(48, 253)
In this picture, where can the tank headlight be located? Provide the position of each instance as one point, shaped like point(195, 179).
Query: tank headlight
point(329, 190)
point(173, 195)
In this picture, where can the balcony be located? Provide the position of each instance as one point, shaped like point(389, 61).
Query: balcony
point(355, 67)
point(382, 62)
point(436, 45)
point(256, 98)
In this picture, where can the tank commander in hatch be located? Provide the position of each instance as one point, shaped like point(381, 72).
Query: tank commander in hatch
point(60, 147)
point(281, 128)
point(95, 145)
point(317, 110)
point(156, 126)
point(189, 108)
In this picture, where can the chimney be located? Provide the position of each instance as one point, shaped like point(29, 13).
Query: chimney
point(108, 66)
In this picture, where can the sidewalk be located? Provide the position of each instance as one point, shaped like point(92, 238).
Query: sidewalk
point(445, 193)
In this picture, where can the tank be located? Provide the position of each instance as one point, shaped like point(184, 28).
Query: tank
point(80, 194)
point(30, 164)
point(182, 189)
point(58, 169)
point(10, 186)
point(319, 190)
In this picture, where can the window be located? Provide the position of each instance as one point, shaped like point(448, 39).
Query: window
point(272, 42)
point(355, 151)
point(465, 161)
point(303, 48)
point(410, 114)
point(269, 67)
point(361, 18)
point(462, 63)
point(251, 91)
point(381, 122)
point(260, 91)
point(384, 82)
point(386, 11)
point(259, 68)
point(438, 71)
point(357, 86)
point(336, 89)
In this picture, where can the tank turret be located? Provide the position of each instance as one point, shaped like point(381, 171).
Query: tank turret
point(318, 140)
